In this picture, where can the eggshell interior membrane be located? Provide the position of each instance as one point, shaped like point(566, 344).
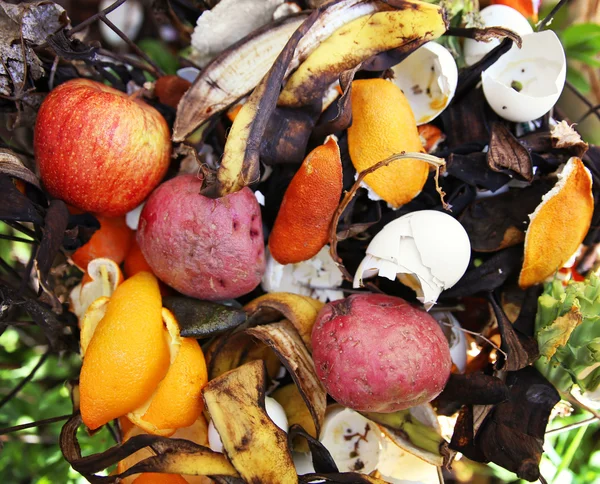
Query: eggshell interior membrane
point(495, 16)
point(428, 78)
point(539, 68)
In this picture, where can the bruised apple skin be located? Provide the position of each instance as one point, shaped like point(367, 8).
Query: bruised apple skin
point(378, 353)
point(211, 249)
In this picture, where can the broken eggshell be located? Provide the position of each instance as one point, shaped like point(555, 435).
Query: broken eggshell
point(456, 338)
point(428, 78)
point(524, 84)
point(495, 16)
point(274, 410)
point(428, 251)
point(318, 277)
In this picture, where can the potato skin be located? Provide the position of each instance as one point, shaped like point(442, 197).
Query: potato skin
point(211, 249)
point(377, 353)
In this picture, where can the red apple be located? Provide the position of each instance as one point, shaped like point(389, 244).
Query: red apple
point(99, 149)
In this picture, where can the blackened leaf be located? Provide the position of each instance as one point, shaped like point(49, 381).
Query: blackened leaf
point(79, 231)
point(506, 153)
point(488, 276)
point(473, 169)
point(495, 223)
point(525, 322)
point(592, 162)
point(14, 206)
point(474, 389)
point(71, 48)
point(521, 350)
point(321, 458)
point(55, 224)
point(465, 120)
point(463, 437)
point(11, 165)
point(340, 478)
point(513, 435)
point(201, 319)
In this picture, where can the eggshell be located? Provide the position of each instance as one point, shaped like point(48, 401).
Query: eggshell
point(428, 78)
point(456, 338)
point(540, 66)
point(495, 16)
point(427, 250)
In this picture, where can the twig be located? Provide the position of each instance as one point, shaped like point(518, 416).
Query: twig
point(333, 239)
point(93, 18)
point(16, 239)
point(573, 426)
point(573, 401)
point(593, 110)
point(32, 425)
point(479, 335)
point(21, 228)
point(25, 380)
point(551, 15)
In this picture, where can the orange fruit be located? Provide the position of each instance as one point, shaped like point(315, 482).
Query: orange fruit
point(558, 225)
point(100, 280)
point(128, 354)
point(177, 401)
point(126, 425)
point(111, 240)
point(383, 124)
point(155, 478)
point(301, 228)
point(135, 261)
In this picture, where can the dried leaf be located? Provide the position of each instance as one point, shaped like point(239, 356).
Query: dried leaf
point(256, 447)
point(506, 154)
point(473, 389)
point(565, 137)
point(473, 169)
point(71, 48)
point(202, 319)
point(286, 342)
point(23, 27)
point(495, 223)
point(341, 478)
point(16, 207)
point(556, 334)
point(488, 276)
point(11, 165)
point(521, 350)
point(55, 224)
point(465, 120)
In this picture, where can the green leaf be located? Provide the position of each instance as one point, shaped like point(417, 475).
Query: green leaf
point(579, 33)
point(159, 52)
point(578, 80)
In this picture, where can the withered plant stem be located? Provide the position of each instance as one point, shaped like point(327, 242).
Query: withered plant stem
point(32, 425)
point(573, 426)
point(542, 25)
point(333, 240)
point(93, 18)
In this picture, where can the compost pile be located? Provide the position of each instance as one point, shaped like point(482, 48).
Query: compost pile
point(344, 241)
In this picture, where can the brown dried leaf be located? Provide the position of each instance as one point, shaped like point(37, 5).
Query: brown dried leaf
point(286, 342)
point(256, 447)
point(11, 165)
point(506, 153)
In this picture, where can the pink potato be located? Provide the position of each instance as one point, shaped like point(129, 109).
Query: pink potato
point(377, 353)
point(207, 248)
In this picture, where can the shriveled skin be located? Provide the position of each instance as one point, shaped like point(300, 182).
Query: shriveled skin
point(204, 248)
point(377, 353)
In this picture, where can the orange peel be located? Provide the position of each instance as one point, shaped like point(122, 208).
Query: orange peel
point(558, 225)
point(100, 280)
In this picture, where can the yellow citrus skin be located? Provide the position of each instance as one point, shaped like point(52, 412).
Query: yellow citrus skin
point(383, 124)
point(128, 354)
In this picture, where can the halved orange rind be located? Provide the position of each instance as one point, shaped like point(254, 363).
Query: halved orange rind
point(100, 280)
point(558, 225)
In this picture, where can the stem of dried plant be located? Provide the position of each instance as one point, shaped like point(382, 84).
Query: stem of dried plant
point(438, 163)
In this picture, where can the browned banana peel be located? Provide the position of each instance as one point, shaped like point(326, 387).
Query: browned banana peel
point(173, 456)
point(256, 447)
point(296, 411)
point(301, 311)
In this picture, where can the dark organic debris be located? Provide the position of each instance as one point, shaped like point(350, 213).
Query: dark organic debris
point(506, 154)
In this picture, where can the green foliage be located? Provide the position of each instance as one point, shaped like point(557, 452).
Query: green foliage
point(159, 52)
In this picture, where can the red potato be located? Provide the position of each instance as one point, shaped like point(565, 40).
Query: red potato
point(377, 353)
point(207, 248)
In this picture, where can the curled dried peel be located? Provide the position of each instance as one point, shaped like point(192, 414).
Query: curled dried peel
point(558, 225)
point(301, 311)
point(256, 447)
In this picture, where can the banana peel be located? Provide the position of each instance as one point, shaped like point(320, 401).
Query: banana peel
point(299, 310)
point(413, 24)
point(297, 412)
point(256, 447)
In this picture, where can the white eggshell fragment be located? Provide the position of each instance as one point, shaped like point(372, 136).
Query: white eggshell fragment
point(495, 16)
point(318, 277)
point(353, 441)
point(398, 466)
point(428, 251)
point(525, 83)
point(188, 73)
point(428, 78)
point(274, 410)
point(456, 338)
point(128, 18)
